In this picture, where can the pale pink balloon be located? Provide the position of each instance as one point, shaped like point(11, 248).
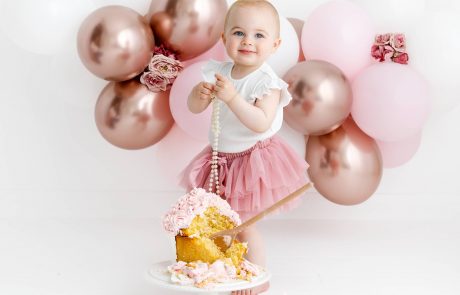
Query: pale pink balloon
point(390, 101)
point(341, 33)
point(298, 25)
point(396, 153)
point(195, 125)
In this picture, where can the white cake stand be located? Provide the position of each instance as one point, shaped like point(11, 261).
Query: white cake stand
point(159, 275)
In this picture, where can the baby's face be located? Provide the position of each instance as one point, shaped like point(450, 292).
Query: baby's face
point(251, 35)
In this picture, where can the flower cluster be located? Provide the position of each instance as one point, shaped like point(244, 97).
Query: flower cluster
point(390, 44)
point(162, 70)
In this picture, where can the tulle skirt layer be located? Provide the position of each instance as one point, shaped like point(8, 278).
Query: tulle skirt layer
point(254, 179)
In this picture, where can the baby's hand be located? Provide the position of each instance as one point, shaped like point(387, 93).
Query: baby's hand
point(206, 90)
point(224, 89)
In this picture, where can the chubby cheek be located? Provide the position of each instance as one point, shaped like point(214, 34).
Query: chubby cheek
point(268, 50)
point(229, 46)
point(235, 43)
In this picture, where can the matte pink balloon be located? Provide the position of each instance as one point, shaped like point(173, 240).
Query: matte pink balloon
point(396, 153)
point(195, 125)
point(298, 25)
point(341, 33)
point(391, 101)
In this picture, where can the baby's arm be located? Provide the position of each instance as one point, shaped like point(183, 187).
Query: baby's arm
point(259, 116)
point(200, 97)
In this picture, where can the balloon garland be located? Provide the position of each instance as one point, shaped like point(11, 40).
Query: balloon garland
point(356, 113)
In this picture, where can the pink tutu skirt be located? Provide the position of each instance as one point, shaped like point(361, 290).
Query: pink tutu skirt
point(254, 179)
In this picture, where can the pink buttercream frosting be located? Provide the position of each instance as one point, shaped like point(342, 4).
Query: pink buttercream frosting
point(192, 204)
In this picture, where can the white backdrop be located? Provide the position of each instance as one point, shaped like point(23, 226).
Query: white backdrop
point(54, 162)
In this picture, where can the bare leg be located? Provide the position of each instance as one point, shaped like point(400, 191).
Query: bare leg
point(256, 254)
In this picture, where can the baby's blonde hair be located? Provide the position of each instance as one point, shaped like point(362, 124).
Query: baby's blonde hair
point(259, 3)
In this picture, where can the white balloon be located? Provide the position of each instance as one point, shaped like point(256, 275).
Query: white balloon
point(141, 6)
point(287, 54)
point(394, 15)
point(71, 82)
point(437, 5)
point(434, 52)
point(298, 9)
point(43, 26)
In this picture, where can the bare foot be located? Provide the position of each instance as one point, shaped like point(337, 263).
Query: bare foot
point(253, 291)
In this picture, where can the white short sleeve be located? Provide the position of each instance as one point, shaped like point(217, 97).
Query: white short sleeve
point(210, 69)
point(269, 82)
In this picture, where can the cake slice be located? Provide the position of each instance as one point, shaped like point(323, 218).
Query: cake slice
point(193, 219)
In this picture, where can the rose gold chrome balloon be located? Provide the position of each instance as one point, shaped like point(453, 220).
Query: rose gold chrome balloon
point(321, 97)
point(115, 43)
point(130, 116)
point(188, 27)
point(345, 165)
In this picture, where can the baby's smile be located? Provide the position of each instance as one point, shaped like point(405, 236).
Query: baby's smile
point(245, 51)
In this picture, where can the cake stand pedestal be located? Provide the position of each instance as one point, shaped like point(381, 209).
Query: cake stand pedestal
point(159, 275)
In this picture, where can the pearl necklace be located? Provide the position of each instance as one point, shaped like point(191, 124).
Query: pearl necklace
point(215, 128)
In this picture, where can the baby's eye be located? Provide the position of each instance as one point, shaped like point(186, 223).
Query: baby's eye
point(238, 33)
point(259, 35)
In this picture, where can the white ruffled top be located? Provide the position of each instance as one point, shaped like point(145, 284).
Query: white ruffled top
point(234, 136)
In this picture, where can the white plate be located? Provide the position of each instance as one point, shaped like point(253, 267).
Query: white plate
point(159, 274)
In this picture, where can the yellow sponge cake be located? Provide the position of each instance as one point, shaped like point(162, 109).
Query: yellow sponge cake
point(193, 219)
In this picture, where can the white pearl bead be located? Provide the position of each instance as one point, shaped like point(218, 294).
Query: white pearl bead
point(215, 128)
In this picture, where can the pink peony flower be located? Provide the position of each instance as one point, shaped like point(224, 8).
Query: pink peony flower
point(165, 66)
point(154, 81)
point(162, 71)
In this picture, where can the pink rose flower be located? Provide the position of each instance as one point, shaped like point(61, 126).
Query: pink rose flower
point(399, 42)
point(401, 58)
point(393, 44)
point(166, 52)
point(154, 82)
point(379, 51)
point(382, 39)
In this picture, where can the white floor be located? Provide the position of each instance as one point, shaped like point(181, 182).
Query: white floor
point(110, 257)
